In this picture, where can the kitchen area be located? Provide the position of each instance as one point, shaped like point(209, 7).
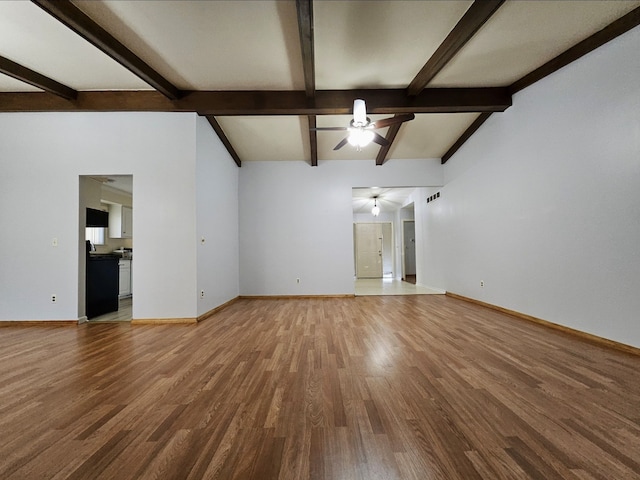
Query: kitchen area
point(108, 247)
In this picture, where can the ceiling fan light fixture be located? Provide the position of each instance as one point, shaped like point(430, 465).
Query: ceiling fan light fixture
point(359, 113)
point(359, 137)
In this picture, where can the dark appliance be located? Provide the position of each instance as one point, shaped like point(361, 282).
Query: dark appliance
point(102, 284)
point(97, 218)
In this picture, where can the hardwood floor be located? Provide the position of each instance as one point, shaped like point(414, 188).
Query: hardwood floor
point(415, 387)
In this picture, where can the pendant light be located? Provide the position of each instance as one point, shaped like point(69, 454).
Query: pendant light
point(375, 211)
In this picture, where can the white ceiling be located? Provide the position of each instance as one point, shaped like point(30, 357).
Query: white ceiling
point(255, 45)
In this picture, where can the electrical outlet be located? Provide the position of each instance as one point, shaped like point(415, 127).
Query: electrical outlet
point(54, 298)
point(481, 283)
point(297, 280)
point(201, 293)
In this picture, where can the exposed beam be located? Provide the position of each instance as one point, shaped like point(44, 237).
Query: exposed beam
point(305, 27)
point(326, 102)
point(340, 102)
point(391, 136)
point(313, 140)
point(477, 123)
point(476, 16)
point(76, 20)
point(106, 101)
point(36, 79)
point(223, 138)
point(608, 33)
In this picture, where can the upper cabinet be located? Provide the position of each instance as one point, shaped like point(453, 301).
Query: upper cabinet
point(120, 221)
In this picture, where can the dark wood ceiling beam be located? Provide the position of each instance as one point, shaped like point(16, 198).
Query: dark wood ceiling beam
point(26, 75)
point(305, 27)
point(223, 138)
point(71, 16)
point(476, 16)
point(106, 101)
point(390, 136)
point(340, 102)
point(613, 30)
point(313, 140)
point(326, 102)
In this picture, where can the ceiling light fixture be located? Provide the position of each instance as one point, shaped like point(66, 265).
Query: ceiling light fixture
point(359, 137)
point(375, 211)
point(359, 113)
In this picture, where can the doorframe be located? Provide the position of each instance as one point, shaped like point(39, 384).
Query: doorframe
point(82, 253)
point(404, 266)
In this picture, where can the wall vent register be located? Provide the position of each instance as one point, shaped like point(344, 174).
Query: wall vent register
point(433, 197)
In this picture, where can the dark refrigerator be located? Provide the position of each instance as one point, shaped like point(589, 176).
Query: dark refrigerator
point(102, 284)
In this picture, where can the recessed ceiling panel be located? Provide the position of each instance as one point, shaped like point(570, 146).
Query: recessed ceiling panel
point(327, 140)
point(33, 38)
point(267, 138)
point(430, 135)
point(369, 44)
point(523, 35)
point(210, 45)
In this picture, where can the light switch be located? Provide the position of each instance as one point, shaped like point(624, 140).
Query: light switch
point(54, 242)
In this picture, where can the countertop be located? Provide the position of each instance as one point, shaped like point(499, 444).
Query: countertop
point(103, 256)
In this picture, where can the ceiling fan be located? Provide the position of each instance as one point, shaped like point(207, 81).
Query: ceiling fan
point(361, 128)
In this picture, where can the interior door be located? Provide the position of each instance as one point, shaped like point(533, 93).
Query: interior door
point(409, 241)
point(368, 250)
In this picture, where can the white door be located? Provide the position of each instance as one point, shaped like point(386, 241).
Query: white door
point(368, 250)
point(409, 244)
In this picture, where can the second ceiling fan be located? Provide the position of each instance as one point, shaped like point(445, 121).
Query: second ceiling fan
point(361, 128)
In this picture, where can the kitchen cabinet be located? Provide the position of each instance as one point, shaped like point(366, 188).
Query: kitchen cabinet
point(124, 266)
point(120, 221)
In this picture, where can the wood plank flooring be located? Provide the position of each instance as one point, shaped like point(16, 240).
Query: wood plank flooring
point(417, 387)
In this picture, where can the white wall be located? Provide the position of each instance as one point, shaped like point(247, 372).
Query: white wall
point(41, 158)
point(216, 220)
point(296, 221)
point(543, 202)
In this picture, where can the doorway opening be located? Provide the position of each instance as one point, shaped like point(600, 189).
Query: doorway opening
point(105, 253)
point(409, 271)
point(378, 241)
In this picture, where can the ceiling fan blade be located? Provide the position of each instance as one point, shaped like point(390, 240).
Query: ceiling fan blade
point(341, 144)
point(385, 122)
point(380, 140)
point(328, 128)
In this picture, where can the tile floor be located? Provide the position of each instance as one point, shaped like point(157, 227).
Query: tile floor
point(390, 286)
